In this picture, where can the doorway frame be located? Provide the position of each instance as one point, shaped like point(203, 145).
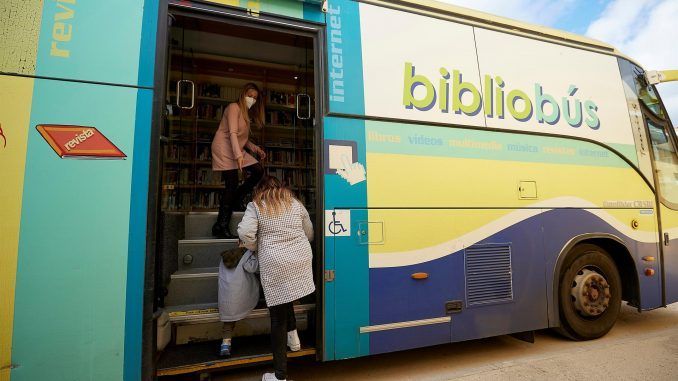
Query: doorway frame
point(259, 20)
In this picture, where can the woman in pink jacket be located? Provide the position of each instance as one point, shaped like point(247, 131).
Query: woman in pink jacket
point(232, 151)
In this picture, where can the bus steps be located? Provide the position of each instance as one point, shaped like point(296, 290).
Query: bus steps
point(203, 357)
point(202, 252)
point(209, 313)
point(199, 224)
point(193, 286)
point(195, 282)
point(200, 322)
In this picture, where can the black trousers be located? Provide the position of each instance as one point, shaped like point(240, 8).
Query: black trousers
point(232, 194)
point(282, 321)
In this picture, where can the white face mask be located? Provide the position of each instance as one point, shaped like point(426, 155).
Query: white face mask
point(249, 101)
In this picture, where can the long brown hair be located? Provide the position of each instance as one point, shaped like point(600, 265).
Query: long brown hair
point(256, 113)
point(272, 197)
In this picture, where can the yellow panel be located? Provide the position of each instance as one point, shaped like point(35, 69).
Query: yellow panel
point(16, 94)
point(437, 182)
point(669, 219)
point(19, 32)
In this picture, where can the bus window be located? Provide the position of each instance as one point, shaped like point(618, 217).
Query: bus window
point(648, 95)
point(666, 162)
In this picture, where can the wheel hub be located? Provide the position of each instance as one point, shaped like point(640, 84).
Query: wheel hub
point(590, 293)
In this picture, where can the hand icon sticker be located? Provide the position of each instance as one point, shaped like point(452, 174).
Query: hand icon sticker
point(354, 173)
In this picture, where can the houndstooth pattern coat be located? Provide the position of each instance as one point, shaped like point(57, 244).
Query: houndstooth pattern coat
point(284, 251)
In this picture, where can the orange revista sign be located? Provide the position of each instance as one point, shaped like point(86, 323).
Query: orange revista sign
point(79, 142)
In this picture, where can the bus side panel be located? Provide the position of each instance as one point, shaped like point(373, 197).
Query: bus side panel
point(90, 41)
point(347, 296)
point(514, 188)
point(447, 202)
point(73, 250)
point(346, 305)
point(16, 94)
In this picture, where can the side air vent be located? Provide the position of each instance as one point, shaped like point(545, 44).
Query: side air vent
point(488, 274)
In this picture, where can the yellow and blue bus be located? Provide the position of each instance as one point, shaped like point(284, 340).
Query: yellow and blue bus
point(468, 176)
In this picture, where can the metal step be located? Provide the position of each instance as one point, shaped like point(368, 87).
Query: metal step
point(209, 313)
point(199, 273)
point(199, 224)
point(205, 252)
point(204, 357)
point(200, 322)
point(194, 286)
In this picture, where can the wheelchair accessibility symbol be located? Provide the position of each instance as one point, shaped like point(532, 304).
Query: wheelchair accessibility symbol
point(336, 227)
point(338, 223)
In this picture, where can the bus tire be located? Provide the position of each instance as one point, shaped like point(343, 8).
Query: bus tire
point(589, 294)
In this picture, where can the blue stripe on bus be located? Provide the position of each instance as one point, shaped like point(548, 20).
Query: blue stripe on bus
point(139, 197)
point(137, 237)
point(394, 297)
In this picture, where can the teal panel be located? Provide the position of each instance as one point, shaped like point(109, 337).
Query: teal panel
point(312, 12)
point(408, 139)
point(344, 56)
point(73, 249)
point(347, 298)
point(91, 40)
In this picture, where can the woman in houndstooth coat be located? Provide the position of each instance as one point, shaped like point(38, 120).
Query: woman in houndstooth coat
point(278, 227)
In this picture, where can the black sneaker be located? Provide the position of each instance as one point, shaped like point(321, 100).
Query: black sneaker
point(221, 231)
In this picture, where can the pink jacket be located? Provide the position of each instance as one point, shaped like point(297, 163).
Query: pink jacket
point(230, 141)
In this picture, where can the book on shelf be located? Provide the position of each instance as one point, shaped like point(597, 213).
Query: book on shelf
point(284, 98)
point(188, 180)
point(289, 157)
point(287, 142)
point(204, 153)
point(206, 176)
point(177, 152)
point(207, 200)
point(208, 111)
point(215, 90)
point(292, 177)
point(171, 201)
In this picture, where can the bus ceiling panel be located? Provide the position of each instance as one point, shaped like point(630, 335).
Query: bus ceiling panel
point(224, 28)
point(276, 50)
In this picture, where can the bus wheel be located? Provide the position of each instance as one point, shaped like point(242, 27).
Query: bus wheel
point(589, 294)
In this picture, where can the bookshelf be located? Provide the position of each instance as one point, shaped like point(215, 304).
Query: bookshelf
point(188, 182)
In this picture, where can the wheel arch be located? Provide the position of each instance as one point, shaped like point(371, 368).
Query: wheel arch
point(623, 260)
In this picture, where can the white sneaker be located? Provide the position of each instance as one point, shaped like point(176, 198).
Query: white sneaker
point(270, 377)
point(293, 341)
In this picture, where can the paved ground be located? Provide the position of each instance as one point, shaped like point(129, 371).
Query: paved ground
point(639, 347)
